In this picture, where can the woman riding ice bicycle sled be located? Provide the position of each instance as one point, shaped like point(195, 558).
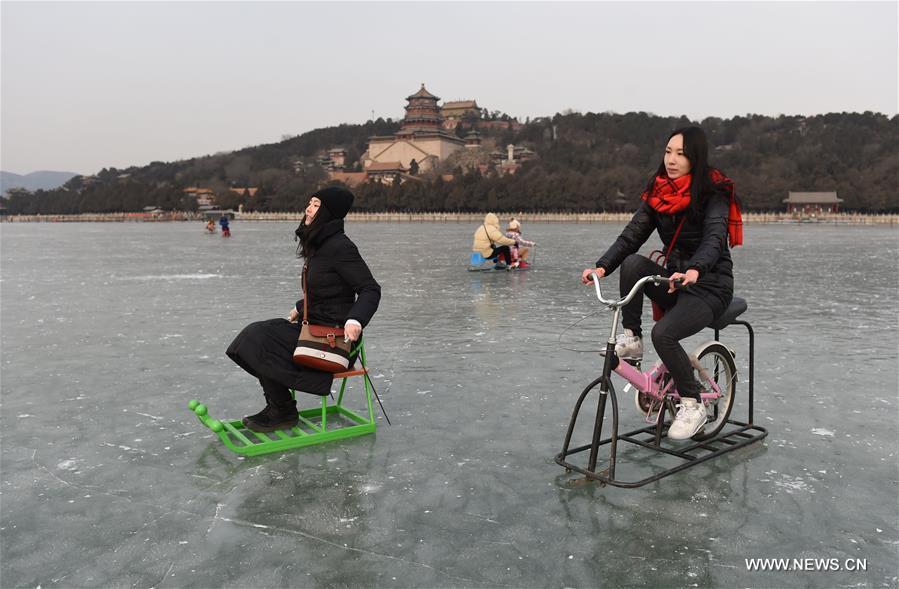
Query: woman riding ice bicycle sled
point(697, 215)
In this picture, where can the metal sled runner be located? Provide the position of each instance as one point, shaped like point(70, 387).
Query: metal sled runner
point(726, 434)
point(331, 421)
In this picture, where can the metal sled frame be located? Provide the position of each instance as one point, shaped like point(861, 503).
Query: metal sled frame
point(332, 421)
point(734, 435)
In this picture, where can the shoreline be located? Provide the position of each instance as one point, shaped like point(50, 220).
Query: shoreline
point(400, 217)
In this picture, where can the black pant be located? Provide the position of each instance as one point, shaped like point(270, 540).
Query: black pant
point(503, 249)
point(277, 395)
point(685, 315)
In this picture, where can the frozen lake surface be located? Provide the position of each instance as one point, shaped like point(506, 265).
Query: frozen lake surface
point(108, 480)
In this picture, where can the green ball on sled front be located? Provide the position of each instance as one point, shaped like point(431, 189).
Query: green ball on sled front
point(198, 408)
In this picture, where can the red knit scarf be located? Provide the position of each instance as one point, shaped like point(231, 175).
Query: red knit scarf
point(670, 197)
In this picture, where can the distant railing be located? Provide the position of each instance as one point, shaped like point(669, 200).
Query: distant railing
point(106, 217)
point(401, 217)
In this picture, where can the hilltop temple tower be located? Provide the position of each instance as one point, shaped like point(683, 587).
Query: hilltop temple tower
point(421, 137)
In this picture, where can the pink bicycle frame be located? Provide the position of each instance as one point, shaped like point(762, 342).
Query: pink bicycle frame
point(648, 382)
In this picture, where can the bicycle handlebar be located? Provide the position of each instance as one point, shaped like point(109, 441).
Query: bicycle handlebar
point(656, 279)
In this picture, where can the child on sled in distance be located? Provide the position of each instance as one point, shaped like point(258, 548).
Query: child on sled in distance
point(519, 254)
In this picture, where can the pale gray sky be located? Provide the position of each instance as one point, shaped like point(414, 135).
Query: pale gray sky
point(93, 85)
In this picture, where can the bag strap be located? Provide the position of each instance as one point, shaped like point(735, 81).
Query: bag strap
point(680, 226)
point(305, 296)
point(488, 234)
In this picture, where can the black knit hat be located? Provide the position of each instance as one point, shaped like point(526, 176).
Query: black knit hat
point(336, 199)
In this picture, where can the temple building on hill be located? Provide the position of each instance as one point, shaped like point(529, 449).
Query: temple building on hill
point(473, 139)
point(460, 108)
point(351, 179)
point(205, 197)
point(422, 138)
point(455, 112)
point(810, 203)
point(335, 161)
point(509, 162)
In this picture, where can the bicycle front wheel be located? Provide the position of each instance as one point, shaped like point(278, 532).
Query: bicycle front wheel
point(714, 363)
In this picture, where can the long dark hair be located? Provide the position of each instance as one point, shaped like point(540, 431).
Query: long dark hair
point(696, 149)
point(307, 234)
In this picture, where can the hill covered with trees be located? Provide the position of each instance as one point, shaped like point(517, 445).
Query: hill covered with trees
point(585, 162)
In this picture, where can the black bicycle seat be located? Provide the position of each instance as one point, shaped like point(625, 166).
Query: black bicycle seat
point(737, 307)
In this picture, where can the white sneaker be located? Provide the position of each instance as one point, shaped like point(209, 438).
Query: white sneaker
point(629, 346)
point(690, 419)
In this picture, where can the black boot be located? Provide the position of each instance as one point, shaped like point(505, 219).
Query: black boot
point(280, 411)
point(262, 414)
point(272, 418)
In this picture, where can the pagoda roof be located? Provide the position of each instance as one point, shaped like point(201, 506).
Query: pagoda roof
point(385, 167)
point(422, 93)
point(420, 122)
point(812, 198)
point(461, 104)
point(422, 131)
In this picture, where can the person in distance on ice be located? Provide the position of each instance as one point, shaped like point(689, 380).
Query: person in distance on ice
point(490, 242)
point(519, 253)
point(695, 210)
point(341, 291)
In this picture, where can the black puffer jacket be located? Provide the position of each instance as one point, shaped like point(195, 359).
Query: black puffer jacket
point(335, 274)
point(702, 245)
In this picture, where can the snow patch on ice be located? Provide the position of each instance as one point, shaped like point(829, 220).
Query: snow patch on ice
point(70, 464)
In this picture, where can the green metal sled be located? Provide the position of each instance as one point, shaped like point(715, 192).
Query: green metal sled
point(333, 421)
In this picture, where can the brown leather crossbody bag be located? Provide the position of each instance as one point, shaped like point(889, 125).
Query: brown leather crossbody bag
point(320, 347)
